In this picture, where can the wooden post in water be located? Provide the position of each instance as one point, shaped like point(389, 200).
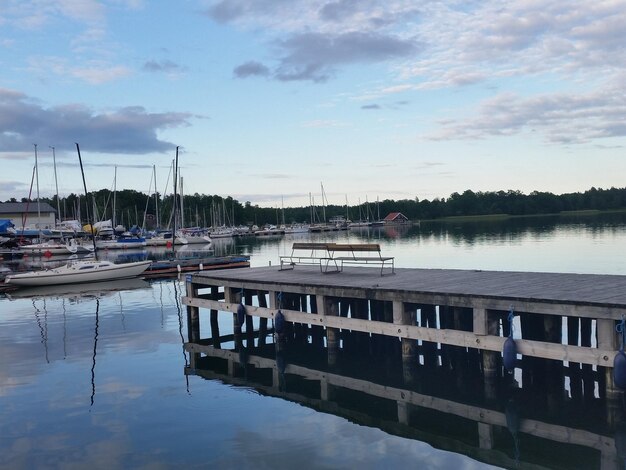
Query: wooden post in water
point(193, 315)
point(607, 340)
point(262, 300)
point(215, 326)
point(487, 323)
point(233, 296)
point(330, 309)
point(193, 323)
point(405, 314)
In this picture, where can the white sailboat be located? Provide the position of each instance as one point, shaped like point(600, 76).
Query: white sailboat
point(78, 271)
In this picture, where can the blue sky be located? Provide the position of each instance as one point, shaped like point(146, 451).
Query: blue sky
point(269, 98)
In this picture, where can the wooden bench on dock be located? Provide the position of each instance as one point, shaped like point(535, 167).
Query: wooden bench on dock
point(305, 253)
point(352, 255)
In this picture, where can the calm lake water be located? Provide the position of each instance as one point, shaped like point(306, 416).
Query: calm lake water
point(96, 378)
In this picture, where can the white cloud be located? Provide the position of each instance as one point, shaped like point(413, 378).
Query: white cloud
point(100, 73)
point(562, 118)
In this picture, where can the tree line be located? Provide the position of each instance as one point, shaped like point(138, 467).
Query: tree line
point(134, 207)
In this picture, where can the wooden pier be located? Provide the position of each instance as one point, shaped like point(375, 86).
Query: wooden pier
point(471, 305)
point(451, 320)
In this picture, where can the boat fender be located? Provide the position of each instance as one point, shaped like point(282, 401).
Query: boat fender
point(201, 267)
point(178, 268)
point(241, 314)
point(619, 363)
point(279, 322)
point(619, 370)
point(509, 354)
point(509, 348)
point(47, 254)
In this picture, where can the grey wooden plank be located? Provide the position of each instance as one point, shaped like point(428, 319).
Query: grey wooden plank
point(559, 287)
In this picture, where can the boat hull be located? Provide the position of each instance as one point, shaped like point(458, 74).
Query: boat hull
point(80, 272)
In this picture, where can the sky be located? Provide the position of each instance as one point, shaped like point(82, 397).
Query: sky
point(268, 100)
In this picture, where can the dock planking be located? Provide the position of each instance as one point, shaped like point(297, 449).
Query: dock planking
point(591, 290)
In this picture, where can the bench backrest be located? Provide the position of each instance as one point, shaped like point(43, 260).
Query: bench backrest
point(310, 246)
point(354, 247)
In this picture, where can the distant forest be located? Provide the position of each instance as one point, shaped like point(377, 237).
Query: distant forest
point(204, 210)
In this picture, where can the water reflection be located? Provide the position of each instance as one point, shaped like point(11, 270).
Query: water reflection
point(93, 359)
point(450, 410)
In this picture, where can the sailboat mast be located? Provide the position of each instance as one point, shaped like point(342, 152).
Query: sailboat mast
point(156, 197)
point(175, 173)
point(323, 203)
point(56, 183)
point(182, 206)
point(82, 172)
point(38, 205)
point(114, 198)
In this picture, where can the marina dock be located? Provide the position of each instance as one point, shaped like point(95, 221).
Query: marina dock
point(431, 320)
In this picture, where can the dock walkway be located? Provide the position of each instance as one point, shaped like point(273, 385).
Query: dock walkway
point(444, 307)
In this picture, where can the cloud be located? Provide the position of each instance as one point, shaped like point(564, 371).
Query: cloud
point(165, 66)
point(315, 56)
point(562, 118)
point(33, 14)
point(133, 130)
point(230, 11)
point(370, 106)
point(11, 186)
point(100, 73)
point(311, 56)
point(94, 72)
point(250, 69)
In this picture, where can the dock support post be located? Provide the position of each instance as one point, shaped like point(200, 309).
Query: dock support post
point(330, 308)
point(193, 315)
point(262, 300)
point(405, 314)
point(215, 326)
point(233, 296)
point(249, 320)
point(607, 340)
point(486, 323)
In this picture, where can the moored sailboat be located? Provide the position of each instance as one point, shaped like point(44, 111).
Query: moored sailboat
point(79, 271)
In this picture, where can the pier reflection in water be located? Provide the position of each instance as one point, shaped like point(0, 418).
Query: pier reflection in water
point(556, 417)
